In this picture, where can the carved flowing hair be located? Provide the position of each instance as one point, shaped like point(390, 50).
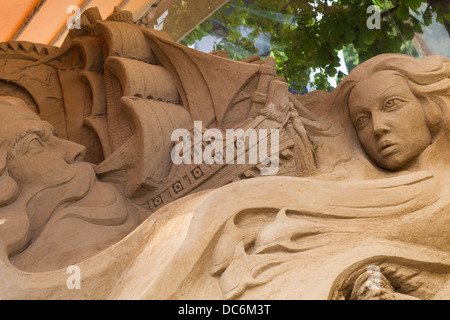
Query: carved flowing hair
point(428, 79)
point(9, 189)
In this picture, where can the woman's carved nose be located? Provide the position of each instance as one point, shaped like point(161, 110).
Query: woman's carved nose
point(381, 131)
point(380, 126)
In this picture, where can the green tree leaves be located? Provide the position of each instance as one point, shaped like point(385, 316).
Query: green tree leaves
point(306, 36)
point(403, 11)
point(413, 4)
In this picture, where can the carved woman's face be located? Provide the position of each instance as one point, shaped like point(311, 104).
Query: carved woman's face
point(389, 120)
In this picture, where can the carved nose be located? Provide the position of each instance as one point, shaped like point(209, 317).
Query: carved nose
point(380, 131)
point(380, 127)
point(72, 152)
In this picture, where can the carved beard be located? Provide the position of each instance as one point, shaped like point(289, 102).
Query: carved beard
point(73, 221)
point(47, 202)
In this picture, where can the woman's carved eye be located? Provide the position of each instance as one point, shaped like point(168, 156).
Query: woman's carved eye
point(361, 122)
point(394, 104)
point(390, 103)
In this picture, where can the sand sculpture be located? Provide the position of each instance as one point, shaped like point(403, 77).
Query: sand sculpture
point(358, 208)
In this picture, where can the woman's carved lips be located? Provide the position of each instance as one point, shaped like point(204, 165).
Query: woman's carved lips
point(387, 147)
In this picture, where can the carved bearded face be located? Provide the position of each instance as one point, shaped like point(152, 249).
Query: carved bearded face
point(57, 211)
point(47, 169)
point(37, 157)
point(389, 120)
